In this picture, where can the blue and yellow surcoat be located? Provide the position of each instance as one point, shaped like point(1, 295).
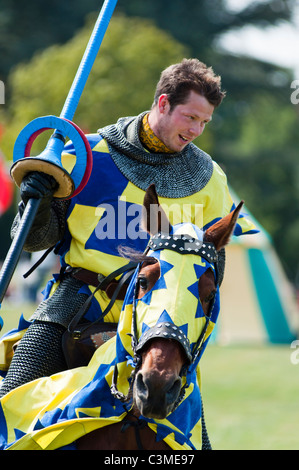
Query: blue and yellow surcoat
point(106, 215)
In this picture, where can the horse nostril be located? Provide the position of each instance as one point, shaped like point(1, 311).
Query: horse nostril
point(141, 386)
point(173, 392)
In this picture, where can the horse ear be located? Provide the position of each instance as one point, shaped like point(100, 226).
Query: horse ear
point(154, 219)
point(221, 231)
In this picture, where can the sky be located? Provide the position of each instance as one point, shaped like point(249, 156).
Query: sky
point(276, 44)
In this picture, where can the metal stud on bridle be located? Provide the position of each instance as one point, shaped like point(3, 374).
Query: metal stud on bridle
point(184, 244)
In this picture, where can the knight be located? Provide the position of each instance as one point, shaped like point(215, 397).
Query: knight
point(154, 147)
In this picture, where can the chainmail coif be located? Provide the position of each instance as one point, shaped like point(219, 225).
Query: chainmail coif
point(175, 175)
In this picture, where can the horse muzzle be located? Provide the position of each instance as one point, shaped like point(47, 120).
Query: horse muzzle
point(157, 393)
point(155, 398)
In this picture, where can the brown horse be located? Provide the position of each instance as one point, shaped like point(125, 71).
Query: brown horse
point(163, 353)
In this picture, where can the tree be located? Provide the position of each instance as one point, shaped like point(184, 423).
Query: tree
point(253, 135)
point(200, 23)
point(122, 81)
point(27, 27)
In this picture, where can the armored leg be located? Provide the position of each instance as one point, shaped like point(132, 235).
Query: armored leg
point(38, 354)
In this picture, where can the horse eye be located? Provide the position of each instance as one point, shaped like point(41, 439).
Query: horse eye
point(210, 297)
point(142, 282)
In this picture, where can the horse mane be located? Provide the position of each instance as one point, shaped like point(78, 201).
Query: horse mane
point(135, 255)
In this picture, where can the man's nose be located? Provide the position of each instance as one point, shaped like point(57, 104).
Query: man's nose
point(197, 129)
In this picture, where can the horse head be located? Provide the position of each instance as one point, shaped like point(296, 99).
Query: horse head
point(174, 304)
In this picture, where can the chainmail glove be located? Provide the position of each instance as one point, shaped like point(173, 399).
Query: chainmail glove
point(37, 185)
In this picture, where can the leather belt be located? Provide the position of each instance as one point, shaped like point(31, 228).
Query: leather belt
point(91, 278)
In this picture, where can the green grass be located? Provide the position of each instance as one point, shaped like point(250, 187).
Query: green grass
point(10, 313)
point(251, 397)
point(250, 393)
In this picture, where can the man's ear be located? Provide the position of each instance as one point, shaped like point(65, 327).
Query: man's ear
point(163, 104)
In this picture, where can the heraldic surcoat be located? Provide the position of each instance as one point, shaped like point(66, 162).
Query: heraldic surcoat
point(106, 215)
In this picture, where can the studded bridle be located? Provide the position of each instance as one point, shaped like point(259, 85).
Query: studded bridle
point(183, 244)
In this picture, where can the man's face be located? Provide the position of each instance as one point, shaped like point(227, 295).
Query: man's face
point(184, 123)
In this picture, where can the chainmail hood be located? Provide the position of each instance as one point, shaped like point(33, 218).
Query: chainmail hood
point(175, 175)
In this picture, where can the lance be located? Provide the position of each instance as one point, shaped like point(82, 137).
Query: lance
point(50, 160)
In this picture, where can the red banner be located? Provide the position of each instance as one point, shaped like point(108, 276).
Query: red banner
point(6, 189)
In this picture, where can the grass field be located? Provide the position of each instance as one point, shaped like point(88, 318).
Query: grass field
point(250, 393)
point(10, 313)
point(251, 397)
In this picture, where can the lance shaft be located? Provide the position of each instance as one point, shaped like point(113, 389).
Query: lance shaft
point(88, 59)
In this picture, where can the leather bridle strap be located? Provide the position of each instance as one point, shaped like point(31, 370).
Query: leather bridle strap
point(127, 272)
point(184, 244)
point(166, 330)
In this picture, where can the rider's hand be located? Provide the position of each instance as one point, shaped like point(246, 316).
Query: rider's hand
point(38, 185)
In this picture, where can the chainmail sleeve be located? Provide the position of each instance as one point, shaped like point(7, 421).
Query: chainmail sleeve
point(44, 233)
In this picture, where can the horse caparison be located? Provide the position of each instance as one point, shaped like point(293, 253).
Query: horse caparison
point(157, 380)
